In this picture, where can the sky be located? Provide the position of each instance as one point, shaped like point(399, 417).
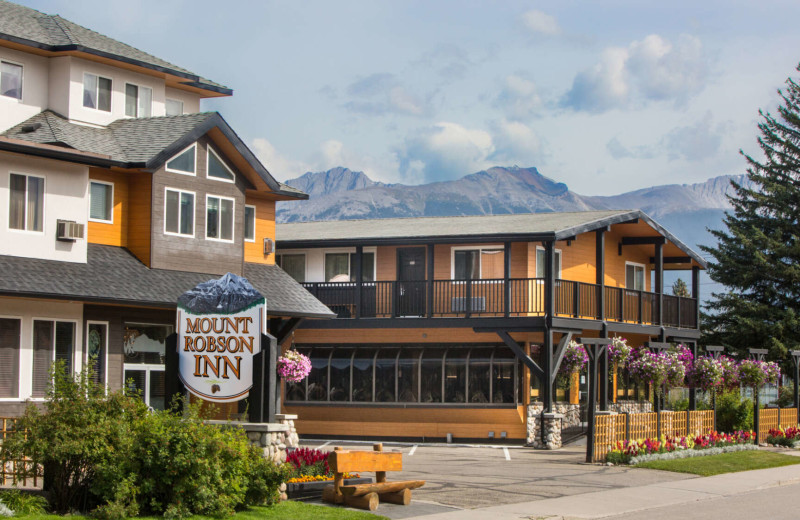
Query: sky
point(606, 97)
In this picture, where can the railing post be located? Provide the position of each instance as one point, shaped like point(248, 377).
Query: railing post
point(696, 295)
point(359, 279)
point(679, 311)
point(576, 293)
point(621, 303)
point(660, 282)
point(641, 306)
point(395, 297)
point(430, 280)
point(468, 303)
point(507, 279)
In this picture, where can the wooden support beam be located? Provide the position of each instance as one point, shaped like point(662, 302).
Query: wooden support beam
point(561, 349)
point(525, 358)
point(286, 328)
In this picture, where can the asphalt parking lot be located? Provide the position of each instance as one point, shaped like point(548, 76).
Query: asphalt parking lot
point(476, 476)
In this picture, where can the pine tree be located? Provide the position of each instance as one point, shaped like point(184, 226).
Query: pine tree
point(679, 288)
point(757, 257)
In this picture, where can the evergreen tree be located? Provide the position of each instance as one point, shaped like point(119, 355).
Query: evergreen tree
point(757, 257)
point(679, 288)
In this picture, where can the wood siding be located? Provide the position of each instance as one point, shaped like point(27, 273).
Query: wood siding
point(140, 215)
point(197, 254)
point(115, 233)
point(265, 228)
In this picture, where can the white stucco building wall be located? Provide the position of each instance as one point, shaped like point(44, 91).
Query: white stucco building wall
point(34, 88)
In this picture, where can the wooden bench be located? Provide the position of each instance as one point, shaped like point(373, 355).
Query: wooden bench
point(368, 496)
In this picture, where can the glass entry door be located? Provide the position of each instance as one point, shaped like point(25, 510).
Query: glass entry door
point(144, 346)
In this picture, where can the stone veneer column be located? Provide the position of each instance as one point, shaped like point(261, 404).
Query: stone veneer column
point(552, 430)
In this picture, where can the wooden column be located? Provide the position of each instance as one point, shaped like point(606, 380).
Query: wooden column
point(696, 293)
point(660, 281)
point(549, 309)
point(507, 278)
point(600, 269)
point(430, 280)
point(359, 261)
point(603, 374)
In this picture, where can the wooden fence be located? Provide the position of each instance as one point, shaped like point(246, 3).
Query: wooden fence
point(10, 470)
point(610, 429)
point(769, 418)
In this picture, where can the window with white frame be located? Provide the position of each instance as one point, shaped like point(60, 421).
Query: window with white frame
point(10, 80)
point(219, 218)
point(101, 201)
point(96, 92)
point(52, 341)
point(179, 212)
point(10, 343)
point(634, 276)
point(250, 223)
point(138, 101)
point(97, 349)
point(478, 263)
point(340, 267)
point(174, 107)
point(294, 265)
point(217, 169)
point(26, 202)
point(144, 346)
point(540, 260)
point(184, 162)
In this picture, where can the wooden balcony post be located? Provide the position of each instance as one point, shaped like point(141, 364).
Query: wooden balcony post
point(468, 303)
point(660, 282)
point(430, 280)
point(600, 270)
point(359, 261)
point(696, 294)
point(641, 306)
point(576, 299)
point(621, 303)
point(395, 298)
point(549, 310)
point(506, 279)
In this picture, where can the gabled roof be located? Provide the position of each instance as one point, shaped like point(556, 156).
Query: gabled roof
point(26, 26)
point(113, 275)
point(474, 228)
point(143, 143)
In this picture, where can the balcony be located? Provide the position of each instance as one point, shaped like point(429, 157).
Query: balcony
point(522, 297)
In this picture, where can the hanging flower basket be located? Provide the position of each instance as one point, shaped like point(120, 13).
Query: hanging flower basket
point(293, 366)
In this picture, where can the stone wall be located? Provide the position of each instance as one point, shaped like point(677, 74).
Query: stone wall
point(552, 423)
point(631, 407)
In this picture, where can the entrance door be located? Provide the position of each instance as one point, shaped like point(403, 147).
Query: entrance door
point(411, 283)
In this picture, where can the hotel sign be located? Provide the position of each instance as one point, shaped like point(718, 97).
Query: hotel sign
point(218, 336)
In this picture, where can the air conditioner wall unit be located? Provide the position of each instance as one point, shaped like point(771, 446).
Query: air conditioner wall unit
point(69, 230)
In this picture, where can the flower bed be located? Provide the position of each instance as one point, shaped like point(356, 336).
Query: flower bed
point(634, 452)
point(788, 437)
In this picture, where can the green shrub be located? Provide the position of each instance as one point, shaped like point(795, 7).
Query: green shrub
point(779, 441)
point(23, 503)
point(734, 412)
point(785, 397)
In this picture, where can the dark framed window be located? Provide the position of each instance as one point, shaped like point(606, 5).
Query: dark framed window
point(96, 92)
point(10, 80)
point(9, 357)
point(26, 203)
point(294, 265)
point(52, 341)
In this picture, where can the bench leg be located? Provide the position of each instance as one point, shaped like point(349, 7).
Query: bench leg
point(368, 501)
point(329, 495)
point(402, 497)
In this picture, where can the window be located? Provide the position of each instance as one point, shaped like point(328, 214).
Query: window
point(477, 264)
point(144, 346)
point(26, 204)
point(52, 341)
point(219, 218)
point(10, 80)
point(217, 169)
point(339, 267)
point(174, 107)
point(9, 357)
point(97, 349)
point(294, 265)
point(184, 162)
point(250, 223)
point(138, 101)
point(101, 201)
point(540, 260)
point(634, 276)
point(179, 212)
point(96, 92)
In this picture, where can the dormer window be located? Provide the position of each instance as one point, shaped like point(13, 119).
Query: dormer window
point(217, 169)
point(10, 80)
point(184, 162)
point(138, 101)
point(96, 92)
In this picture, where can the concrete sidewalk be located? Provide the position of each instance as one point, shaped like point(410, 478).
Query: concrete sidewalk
point(615, 502)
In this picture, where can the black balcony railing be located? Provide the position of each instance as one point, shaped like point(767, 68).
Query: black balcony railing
point(491, 298)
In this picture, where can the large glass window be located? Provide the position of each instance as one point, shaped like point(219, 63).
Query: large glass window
point(10, 80)
point(504, 370)
point(294, 265)
point(217, 169)
point(96, 92)
point(52, 341)
point(431, 376)
point(101, 201)
point(179, 212)
point(138, 101)
point(26, 203)
point(184, 162)
point(250, 223)
point(9, 357)
point(363, 366)
point(318, 378)
point(408, 375)
point(385, 381)
point(340, 374)
point(340, 267)
point(219, 218)
point(479, 377)
point(455, 376)
point(144, 346)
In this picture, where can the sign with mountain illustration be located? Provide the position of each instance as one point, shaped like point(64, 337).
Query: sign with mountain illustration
point(219, 331)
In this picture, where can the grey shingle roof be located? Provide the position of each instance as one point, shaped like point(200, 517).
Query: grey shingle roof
point(114, 275)
point(51, 32)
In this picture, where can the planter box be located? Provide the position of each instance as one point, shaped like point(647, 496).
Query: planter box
point(300, 490)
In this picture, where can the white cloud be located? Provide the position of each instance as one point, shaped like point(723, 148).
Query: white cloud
point(516, 143)
point(280, 166)
point(444, 151)
point(695, 142)
point(381, 94)
point(542, 23)
point(652, 69)
point(519, 97)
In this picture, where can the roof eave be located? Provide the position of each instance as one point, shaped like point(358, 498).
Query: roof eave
point(52, 152)
point(379, 241)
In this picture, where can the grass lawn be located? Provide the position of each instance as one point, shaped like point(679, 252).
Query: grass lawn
point(724, 463)
point(284, 511)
